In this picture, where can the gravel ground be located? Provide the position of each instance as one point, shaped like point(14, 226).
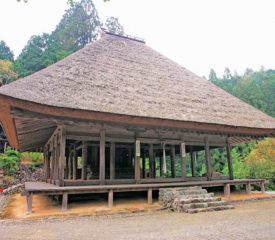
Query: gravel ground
point(251, 220)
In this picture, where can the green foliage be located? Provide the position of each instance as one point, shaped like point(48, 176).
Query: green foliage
point(7, 74)
point(33, 159)
point(112, 24)
point(5, 52)
point(9, 161)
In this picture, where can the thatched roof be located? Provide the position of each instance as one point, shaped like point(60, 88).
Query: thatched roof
point(123, 76)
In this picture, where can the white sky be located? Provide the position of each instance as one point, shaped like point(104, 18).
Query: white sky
point(198, 34)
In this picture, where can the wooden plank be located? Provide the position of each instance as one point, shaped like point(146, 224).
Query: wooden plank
point(64, 201)
point(112, 160)
point(102, 157)
point(84, 160)
point(183, 161)
point(229, 160)
point(173, 161)
point(208, 159)
point(150, 196)
point(110, 198)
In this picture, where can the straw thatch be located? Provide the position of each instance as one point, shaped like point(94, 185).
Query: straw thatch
point(124, 76)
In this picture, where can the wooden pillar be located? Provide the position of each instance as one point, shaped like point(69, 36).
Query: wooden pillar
point(207, 159)
point(227, 190)
point(183, 161)
point(150, 196)
point(74, 163)
point(112, 161)
point(193, 160)
point(62, 148)
point(137, 161)
point(151, 160)
point(229, 160)
point(248, 188)
point(173, 161)
point(143, 165)
point(64, 201)
point(110, 198)
point(102, 157)
point(84, 160)
point(70, 163)
point(29, 202)
point(263, 186)
point(164, 163)
point(67, 155)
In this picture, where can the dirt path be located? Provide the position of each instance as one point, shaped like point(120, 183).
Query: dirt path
point(253, 220)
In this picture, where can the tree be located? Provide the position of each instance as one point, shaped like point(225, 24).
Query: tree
point(7, 74)
point(112, 24)
point(79, 26)
point(212, 75)
point(5, 52)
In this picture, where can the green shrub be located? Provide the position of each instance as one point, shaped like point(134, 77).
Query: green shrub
point(33, 159)
point(9, 161)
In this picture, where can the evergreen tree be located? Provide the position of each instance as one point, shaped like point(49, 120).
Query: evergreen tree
point(112, 24)
point(5, 52)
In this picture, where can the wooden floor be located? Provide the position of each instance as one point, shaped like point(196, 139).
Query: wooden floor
point(47, 188)
point(50, 189)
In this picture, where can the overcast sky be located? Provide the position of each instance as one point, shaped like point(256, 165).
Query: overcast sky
point(198, 34)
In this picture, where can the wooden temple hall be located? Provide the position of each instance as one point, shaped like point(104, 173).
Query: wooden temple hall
point(117, 116)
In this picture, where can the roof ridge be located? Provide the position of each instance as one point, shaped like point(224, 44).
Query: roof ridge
point(129, 37)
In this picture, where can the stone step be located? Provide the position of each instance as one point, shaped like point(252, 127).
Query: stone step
point(209, 209)
point(193, 192)
point(204, 195)
point(199, 200)
point(185, 207)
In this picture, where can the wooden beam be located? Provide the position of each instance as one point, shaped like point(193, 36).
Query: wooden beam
point(227, 190)
point(229, 160)
point(183, 161)
point(207, 159)
point(102, 157)
point(84, 160)
point(29, 202)
point(263, 187)
point(164, 163)
point(173, 161)
point(143, 160)
point(112, 160)
point(248, 188)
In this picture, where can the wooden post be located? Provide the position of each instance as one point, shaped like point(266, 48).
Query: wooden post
point(29, 202)
point(62, 146)
point(193, 160)
point(263, 187)
point(248, 188)
point(164, 163)
point(70, 163)
point(110, 198)
point(102, 158)
point(84, 160)
point(74, 163)
point(207, 159)
point(183, 161)
point(151, 160)
point(227, 190)
point(112, 161)
point(64, 201)
point(150, 196)
point(137, 161)
point(229, 160)
point(173, 159)
point(143, 165)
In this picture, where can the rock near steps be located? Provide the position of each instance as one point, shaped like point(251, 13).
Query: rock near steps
point(191, 200)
